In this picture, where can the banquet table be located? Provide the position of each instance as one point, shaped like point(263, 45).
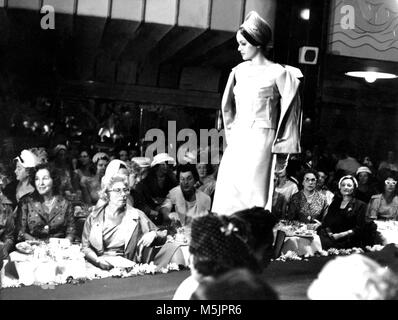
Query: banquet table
point(297, 240)
point(290, 279)
point(388, 230)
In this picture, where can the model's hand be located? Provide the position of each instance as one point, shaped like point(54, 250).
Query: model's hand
point(147, 239)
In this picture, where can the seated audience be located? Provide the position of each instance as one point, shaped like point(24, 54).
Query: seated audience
point(216, 247)
point(116, 228)
point(7, 226)
point(237, 284)
point(323, 188)
point(45, 214)
point(390, 163)
point(84, 165)
point(345, 225)
point(384, 206)
point(287, 188)
point(154, 189)
point(367, 162)
point(92, 185)
point(354, 277)
point(70, 184)
point(22, 187)
point(349, 165)
point(308, 205)
point(366, 188)
point(185, 202)
point(206, 181)
point(142, 165)
point(122, 154)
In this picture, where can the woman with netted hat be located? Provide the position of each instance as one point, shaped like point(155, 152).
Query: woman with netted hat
point(217, 246)
point(262, 119)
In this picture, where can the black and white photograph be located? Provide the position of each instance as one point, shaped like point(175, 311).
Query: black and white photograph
point(195, 150)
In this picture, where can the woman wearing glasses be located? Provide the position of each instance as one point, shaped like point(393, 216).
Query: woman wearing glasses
point(308, 205)
point(345, 225)
point(384, 206)
point(114, 228)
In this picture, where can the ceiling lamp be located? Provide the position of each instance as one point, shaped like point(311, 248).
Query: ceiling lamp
point(371, 76)
point(305, 14)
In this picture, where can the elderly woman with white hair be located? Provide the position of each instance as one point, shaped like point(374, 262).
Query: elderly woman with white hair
point(115, 228)
point(345, 225)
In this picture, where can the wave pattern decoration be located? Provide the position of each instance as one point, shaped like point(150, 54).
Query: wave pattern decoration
point(372, 29)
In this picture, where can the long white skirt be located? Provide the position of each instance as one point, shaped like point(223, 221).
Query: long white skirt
point(244, 175)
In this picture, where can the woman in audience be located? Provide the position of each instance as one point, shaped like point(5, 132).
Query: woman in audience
point(323, 188)
point(345, 226)
point(45, 214)
point(287, 188)
point(154, 189)
point(185, 202)
point(70, 186)
point(7, 226)
point(92, 185)
point(237, 284)
point(366, 188)
point(384, 206)
point(216, 247)
point(308, 205)
point(114, 228)
point(207, 182)
point(22, 187)
point(84, 165)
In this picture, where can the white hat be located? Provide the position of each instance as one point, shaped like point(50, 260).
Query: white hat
point(161, 158)
point(353, 277)
point(27, 159)
point(99, 156)
point(112, 170)
point(363, 169)
point(143, 162)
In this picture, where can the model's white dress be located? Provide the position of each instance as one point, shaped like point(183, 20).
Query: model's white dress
point(262, 117)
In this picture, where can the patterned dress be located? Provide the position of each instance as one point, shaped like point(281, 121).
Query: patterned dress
point(306, 210)
point(34, 219)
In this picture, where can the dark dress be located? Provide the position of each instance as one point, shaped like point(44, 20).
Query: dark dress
point(34, 220)
point(352, 217)
point(7, 227)
point(148, 195)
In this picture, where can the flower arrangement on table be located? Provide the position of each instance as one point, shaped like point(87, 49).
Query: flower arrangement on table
point(137, 270)
point(295, 228)
point(291, 255)
point(55, 263)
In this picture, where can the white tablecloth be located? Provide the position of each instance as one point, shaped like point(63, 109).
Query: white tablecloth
point(388, 231)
